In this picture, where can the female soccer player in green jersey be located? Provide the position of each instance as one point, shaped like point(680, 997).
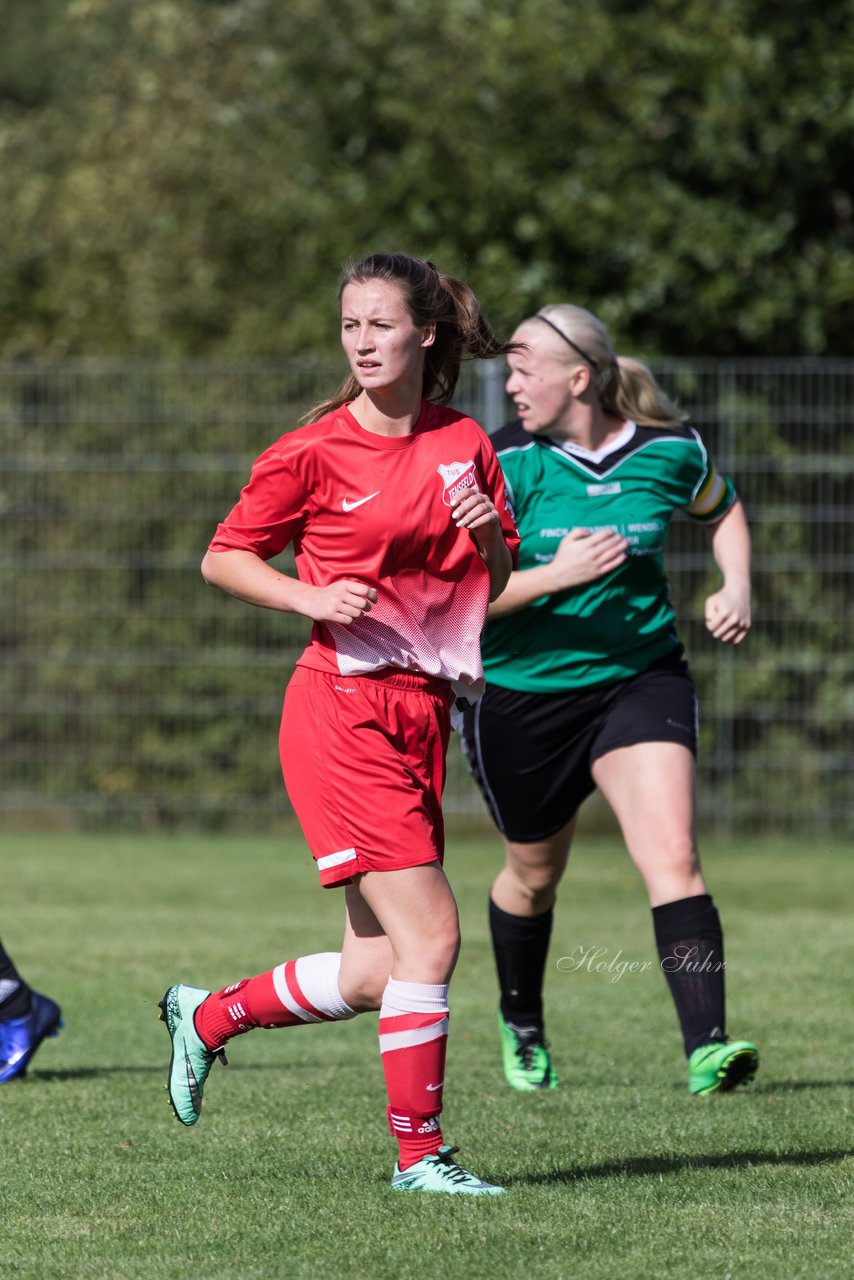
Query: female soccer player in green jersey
point(586, 683)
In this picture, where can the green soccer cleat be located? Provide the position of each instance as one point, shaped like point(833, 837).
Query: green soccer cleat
point(525, 1054)
point(441, 1173)
point(717, 1068)
point(191, 1060)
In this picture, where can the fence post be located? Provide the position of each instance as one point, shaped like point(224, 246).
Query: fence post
point(493, 411)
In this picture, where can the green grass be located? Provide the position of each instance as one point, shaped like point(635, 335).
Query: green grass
point(618, 1174)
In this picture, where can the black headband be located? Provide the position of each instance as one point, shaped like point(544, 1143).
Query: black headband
point(574, 345)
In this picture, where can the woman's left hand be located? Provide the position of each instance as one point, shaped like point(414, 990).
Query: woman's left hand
point(728, 614)
point(475, 511)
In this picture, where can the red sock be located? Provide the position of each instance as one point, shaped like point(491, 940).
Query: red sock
point(292, 994)
point(413, 1040)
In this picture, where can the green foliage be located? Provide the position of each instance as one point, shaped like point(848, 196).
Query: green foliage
point(128, 685)
point(185, 177)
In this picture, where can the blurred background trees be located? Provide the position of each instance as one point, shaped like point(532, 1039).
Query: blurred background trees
point(184, 177)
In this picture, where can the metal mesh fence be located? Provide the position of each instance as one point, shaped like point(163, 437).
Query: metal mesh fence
point(133, 693)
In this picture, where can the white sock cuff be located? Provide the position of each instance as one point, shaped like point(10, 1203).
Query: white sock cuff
point(317, 976)
point(413, 997)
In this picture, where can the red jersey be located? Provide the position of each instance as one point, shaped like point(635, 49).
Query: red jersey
point(377, 509)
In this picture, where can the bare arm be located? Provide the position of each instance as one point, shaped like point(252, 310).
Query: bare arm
point(580, 557)
point(247, 576)
point(728, 610)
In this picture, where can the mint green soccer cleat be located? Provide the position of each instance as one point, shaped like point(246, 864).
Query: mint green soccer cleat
point(717, 1068)
point(441, 1173)
point(525, 1054)
point(191, 1060)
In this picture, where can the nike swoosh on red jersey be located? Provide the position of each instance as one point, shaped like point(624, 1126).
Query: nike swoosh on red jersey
point(347, 505)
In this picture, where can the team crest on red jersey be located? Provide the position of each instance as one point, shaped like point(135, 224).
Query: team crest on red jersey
point(456, 477)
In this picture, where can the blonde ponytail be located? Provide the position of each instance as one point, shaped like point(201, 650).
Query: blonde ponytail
point(635, 394)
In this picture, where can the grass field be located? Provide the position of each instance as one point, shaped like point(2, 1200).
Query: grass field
point(618, 1174)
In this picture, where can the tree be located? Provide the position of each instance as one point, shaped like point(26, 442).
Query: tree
point(186, 176)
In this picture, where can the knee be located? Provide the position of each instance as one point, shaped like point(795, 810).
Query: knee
point(674, 873)
point(683, 859)
point(363, 990)
point(367, 998)
point(537, 885)
point(430, 955)
point(441, 951)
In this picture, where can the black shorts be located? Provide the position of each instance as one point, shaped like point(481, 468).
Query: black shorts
point(531, 753)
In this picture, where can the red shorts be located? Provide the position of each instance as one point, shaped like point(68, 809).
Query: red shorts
point(363, 758)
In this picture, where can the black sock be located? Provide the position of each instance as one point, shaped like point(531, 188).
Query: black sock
point(521, 944)
point(15, 995)
point(691, 953)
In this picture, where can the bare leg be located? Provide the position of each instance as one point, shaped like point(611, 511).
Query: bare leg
point(650, 788)
point(416, 910)
point(527, 883)
point(366, 955)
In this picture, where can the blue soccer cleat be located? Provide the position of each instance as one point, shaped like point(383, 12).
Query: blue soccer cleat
point(20, 1037)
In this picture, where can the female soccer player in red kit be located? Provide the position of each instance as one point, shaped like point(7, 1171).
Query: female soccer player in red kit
point(402, 534)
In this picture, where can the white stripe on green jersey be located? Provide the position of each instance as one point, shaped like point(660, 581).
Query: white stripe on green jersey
point(621, 623)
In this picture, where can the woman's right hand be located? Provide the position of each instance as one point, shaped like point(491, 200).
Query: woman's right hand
point(583, 556)
point(342, 602)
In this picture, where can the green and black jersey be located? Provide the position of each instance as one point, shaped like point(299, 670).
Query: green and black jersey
point(621, 623)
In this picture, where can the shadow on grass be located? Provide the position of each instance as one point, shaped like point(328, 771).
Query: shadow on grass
point(85, 1073)
point(652, 1166)
point(772, 1086)
point(797, 1086)
point(92, 1073)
